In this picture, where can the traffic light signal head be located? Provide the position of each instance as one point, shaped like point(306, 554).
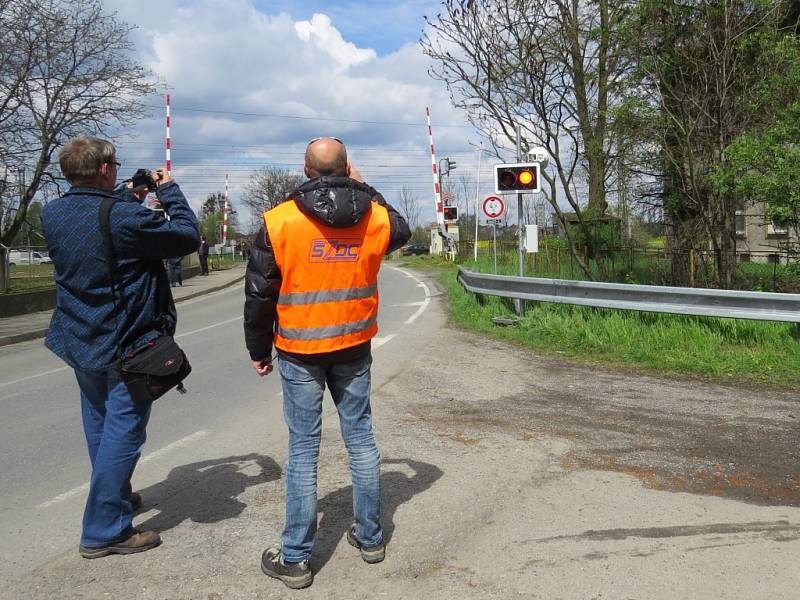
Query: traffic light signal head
point(517, 177)
point(451, 213)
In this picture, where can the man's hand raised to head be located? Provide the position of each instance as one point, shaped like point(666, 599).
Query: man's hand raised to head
point(354, 173)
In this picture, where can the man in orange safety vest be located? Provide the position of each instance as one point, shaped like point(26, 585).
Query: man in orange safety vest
point(312, 292)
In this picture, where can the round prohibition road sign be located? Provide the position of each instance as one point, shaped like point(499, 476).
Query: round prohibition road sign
point(493, 207)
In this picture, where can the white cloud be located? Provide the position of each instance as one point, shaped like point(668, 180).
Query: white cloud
point(327, 38)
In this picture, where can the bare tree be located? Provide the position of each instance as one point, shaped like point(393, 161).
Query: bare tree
point(66, 69)
point(551, 67)
point(268, 187)
point(408, 206)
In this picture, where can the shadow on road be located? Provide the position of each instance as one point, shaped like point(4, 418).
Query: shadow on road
point(396, 488)
point(206, 491)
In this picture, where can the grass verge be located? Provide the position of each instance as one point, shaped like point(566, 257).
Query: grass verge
point(723, 349)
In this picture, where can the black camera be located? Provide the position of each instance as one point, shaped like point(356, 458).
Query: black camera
point(141, 179)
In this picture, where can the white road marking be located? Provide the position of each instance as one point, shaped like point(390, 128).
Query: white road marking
point(424, 303)
point(169, 447)
point(420, 303)
point(34, 376)
point(377, 342)
point(226, 290)
point(210, 327)
point(421, 309)
point(83, 489)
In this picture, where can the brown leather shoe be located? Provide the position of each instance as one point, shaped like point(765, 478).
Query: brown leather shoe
point(139, 541)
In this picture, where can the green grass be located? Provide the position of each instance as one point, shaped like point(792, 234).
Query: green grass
point(221, 263)
point(742, 350)
point(24, 278)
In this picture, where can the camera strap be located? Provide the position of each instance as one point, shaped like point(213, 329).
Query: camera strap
point(106, 204)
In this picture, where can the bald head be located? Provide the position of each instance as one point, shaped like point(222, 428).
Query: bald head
point(326, 156)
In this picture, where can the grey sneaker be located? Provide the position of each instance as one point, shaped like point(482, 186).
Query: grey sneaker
point(371, 554)
point(294, 575)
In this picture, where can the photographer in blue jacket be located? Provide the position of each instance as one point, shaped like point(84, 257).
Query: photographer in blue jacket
point(94, 324)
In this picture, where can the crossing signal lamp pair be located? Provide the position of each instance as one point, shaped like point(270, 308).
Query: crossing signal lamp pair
point(517, 178)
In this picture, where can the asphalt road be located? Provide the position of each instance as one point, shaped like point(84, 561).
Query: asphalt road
point(505, 474)
point(43, 457)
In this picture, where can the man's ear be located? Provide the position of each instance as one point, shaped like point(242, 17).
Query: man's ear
point(305, 171)
point(347, 169)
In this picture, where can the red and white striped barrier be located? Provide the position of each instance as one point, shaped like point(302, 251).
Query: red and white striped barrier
point(169, 144)
point(225, 215)
point(437, 188)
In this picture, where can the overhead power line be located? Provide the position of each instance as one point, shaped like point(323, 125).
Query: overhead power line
point(304, 118)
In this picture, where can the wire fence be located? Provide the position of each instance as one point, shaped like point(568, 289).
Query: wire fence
point(30, 268)
point(768, 271)
point(27, 268)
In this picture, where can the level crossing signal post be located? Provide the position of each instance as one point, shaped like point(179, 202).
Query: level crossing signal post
point(518, 178)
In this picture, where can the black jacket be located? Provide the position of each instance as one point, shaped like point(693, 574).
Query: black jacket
point(338, 202)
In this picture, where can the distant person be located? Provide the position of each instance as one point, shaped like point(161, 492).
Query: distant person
point(175, 271)
point(312, 291)
point(202, 253)
point(92, 326)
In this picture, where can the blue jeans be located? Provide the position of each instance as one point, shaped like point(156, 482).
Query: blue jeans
point(115, 433)
point(303, 387)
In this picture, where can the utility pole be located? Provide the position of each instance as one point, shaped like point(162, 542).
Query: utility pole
point(477, 199)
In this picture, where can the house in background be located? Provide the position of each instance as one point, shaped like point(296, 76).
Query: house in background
point(760, 240)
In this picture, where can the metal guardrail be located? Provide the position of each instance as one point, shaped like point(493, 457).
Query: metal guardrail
point(763, 306)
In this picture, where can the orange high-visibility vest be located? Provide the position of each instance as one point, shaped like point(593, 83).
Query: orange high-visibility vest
point(329, 294)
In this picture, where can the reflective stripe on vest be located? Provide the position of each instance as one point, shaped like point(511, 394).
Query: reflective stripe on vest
point(319, 333)
point(327, 295)
point(329, 288)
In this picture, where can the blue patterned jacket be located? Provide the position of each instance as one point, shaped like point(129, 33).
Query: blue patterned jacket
point(86, 327)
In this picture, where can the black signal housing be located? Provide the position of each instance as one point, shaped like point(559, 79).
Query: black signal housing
point(517, 178)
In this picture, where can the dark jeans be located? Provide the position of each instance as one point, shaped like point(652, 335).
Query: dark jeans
point(203, 264)
point(175, 275)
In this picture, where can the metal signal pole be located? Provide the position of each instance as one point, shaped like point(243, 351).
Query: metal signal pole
point(519, 305)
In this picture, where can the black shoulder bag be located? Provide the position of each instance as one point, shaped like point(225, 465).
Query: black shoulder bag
point(149, 371)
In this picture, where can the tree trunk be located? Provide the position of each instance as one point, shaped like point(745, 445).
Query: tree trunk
point(726, 257)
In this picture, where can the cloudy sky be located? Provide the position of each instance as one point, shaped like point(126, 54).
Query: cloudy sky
point(251, 81)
